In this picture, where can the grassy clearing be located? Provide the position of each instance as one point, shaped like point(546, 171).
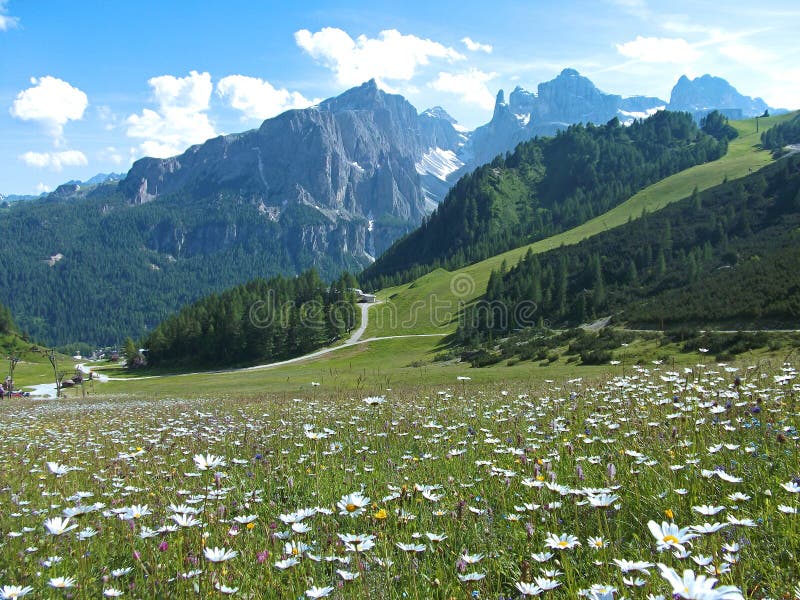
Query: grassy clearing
point(33, 367)
point(412, 364)
point(411, 308)
point(368, 368)
point(459, 490)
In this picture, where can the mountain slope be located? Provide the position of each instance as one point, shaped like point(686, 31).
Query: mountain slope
point(566, 100)
point(352, 159)
point(326, 187)
point(546, 186)
point(412, 308)
point(704, 94)
point(721, 257)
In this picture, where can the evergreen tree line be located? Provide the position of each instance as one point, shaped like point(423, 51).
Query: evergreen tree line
point(546, 186)
point(258, 321)
point(782, 134)
point(6, 322)
point(727, 255)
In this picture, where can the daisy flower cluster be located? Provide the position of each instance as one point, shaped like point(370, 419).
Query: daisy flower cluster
point(655, 484)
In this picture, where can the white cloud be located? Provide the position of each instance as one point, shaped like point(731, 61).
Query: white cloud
point(107, 117)
point(110, 154)
point(469, 85)
point(474, 46)
point(52, 102)
point(180, 119)
point(747, 54)
point(390, 56)
point(42, 188)
point(258, 99)
point(6, 22)
point(659, 50)
point(55, 160)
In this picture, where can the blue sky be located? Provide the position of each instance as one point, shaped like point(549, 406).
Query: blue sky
point(90, 86)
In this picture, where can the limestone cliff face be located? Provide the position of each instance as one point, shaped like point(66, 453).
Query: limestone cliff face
point(342, 180)
point(707, 93)
point(351, 162)
point(568, 99)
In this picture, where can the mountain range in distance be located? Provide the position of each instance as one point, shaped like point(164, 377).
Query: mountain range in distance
point(447, 148)
point(372, 167)
point(331, 187)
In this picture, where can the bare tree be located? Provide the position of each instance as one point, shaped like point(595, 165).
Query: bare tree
point(58, 375)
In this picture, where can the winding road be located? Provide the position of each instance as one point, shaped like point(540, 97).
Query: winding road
point(354, 339)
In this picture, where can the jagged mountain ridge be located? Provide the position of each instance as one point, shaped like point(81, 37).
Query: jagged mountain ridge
point(704, 94)
point(354, 158)
point(568, 99)
point(571, 98)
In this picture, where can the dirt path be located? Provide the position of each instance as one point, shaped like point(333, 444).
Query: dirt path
point(354, 339)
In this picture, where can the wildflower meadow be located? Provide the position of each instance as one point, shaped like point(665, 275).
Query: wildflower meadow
point(652, 483)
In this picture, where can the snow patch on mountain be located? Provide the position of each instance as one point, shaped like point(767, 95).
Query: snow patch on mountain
point(439, 163)
point(628, 117)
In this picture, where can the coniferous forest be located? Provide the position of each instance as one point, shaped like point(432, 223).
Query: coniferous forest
point(783, 134)
point(258, 321)
point(190, 249)
point(546, 186)
point(727, 256)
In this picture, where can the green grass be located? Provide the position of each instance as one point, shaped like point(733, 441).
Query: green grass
point(465, 463)
point(398, 364)
point(410, 308)
point(33, 367)
point(368, 368)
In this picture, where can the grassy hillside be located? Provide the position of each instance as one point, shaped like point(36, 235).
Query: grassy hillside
point(724, 256)
point(372, 368)
point(411, 308)
point(547, 186)
point(430, 305)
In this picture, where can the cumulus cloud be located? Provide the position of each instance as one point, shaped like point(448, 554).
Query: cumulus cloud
point(55, 160)
point(6, 21)
point(748, 55)
point(470, 86)
point(51, 102)
point(42, 188)
point(257, 98)
point(180, 119)
point(659, 50)
point(110, 154)
point(474, 46)
point(390, 56)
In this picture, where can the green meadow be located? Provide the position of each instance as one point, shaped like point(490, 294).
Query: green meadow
point(666, 480)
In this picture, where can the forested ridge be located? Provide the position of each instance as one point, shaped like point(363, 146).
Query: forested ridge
point(6, 321)
point(124, 268)
point(725, 256)
point(546, 186)
point(783, 134)
point(255, 322)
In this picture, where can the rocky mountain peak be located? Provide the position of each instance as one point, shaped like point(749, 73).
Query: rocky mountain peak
point(437, 112)
point(705, 93)
point(521, 101)
point(367, 96)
